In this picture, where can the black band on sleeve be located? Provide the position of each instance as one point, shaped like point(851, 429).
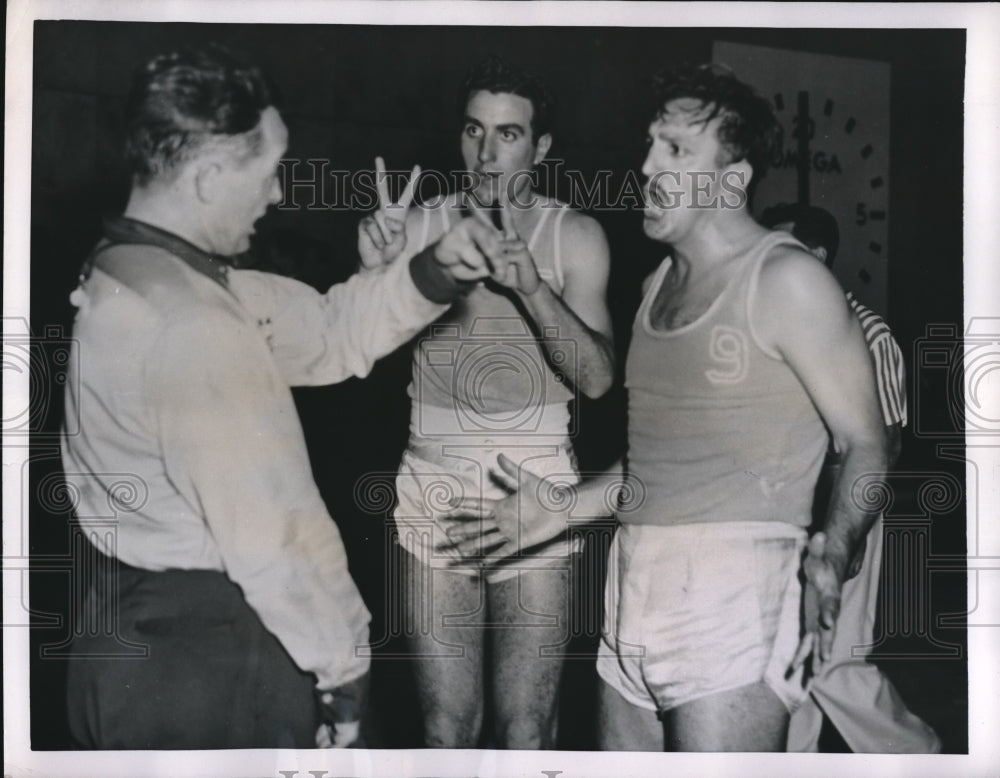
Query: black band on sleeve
point(431, 279)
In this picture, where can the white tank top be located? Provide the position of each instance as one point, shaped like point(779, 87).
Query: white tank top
point(719, 427)
point(481, 358)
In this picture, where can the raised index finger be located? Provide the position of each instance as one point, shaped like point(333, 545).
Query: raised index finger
point(507, 220)
point(381, 184)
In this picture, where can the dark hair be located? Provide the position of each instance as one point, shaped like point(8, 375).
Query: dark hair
point(498, 76)
point(813, 226)
point(748, 128)
point(180, 101)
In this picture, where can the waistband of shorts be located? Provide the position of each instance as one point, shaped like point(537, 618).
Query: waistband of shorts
point(725, 530)
point(543, 423)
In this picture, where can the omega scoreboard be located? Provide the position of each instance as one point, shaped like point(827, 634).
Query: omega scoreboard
point(835, 154)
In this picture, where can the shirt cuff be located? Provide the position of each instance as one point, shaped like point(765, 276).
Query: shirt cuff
point(433, 281)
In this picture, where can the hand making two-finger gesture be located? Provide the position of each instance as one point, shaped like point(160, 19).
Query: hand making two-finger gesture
point(514, 267)
point(382, 236)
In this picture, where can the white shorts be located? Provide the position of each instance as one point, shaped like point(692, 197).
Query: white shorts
point(433, 473)
point(697, 609)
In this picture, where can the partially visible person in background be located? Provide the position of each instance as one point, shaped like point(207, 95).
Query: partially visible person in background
point(851, 692)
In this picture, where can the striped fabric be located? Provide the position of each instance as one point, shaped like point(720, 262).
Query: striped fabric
point(888, 361)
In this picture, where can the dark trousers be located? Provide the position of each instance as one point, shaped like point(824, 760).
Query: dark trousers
point(213, 676)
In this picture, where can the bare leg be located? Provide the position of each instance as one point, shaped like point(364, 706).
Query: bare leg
point(528, 613)
point(622, 726)
point(444, 613)
point(750, 718)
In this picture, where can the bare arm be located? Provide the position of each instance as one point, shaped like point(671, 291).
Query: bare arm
point(581, 313)
point(831, 471)
point(800, 312)
point(534, 512)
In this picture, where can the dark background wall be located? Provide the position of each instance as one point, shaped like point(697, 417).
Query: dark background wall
point(351, 92)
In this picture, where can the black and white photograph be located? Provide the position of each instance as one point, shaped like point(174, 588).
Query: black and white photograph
point(501, 389)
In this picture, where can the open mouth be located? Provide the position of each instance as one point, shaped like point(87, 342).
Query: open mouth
point(656, 200)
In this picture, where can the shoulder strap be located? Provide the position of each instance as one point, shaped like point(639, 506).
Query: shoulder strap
point(538, 227)
point(755, 261)
point(642, 314)
point(557, 263)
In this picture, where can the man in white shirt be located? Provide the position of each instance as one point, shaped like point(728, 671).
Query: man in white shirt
point(228, 566)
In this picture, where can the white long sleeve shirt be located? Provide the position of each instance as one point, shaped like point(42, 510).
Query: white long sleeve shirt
point(183, 389)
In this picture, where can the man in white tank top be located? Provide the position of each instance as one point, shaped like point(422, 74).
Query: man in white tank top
point(744, 353)
point(495, 375)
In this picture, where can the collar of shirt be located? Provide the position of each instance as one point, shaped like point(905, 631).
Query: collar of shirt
point(120, 229)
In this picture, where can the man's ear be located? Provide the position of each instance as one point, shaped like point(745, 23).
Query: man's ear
point(542, 147)
point(208, 183)
point(742, 173)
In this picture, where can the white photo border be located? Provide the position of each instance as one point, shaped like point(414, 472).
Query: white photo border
point(982, 293)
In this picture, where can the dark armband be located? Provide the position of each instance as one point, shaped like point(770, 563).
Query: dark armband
point(433, 281)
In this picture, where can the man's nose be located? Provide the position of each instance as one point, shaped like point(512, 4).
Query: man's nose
point(647, 166)
point(274, 196)
point(487, 149)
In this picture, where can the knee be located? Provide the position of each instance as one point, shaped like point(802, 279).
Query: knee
point(527, 733)
point(445, 731)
